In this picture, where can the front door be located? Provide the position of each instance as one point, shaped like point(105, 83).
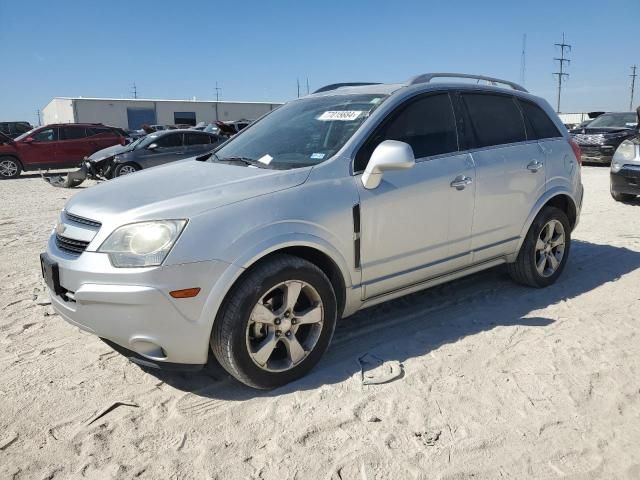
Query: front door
point(41, 150)
point(417, 223)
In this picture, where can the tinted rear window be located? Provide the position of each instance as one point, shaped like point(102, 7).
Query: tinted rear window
point(72, 133)
point(538, 123)
point(196, 139)
point(495, 119)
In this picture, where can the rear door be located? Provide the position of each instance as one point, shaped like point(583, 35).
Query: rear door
point(169, 149)
point(74, 145)
point(509, 168)
point(103, 137)
point(41, 152)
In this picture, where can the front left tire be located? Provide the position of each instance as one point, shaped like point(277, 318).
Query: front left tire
point(10, 167)
point(276, 322)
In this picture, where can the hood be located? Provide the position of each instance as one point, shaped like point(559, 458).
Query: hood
point(180, 189)
point(608, 130)
point(110, 152)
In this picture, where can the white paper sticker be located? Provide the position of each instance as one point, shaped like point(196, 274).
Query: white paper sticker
point(266, 159)
point(317, 156)
point(631, 124)
point(341, 115)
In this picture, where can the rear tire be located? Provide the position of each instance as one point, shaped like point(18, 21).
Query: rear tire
point(545, 250)
point(622, 197)
point(265, 340)
point(125, 169)
point(10, 167)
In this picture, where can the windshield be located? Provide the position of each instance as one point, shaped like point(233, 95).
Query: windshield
point(301, 133)
point(615, 120)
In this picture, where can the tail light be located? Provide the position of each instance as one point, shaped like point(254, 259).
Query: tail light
point(576, 150)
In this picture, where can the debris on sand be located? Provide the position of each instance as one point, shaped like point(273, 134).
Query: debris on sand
point(375, 371)
point(110, 408)
point(8, 441)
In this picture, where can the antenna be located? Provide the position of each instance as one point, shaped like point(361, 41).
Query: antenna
point(134, 90)
point(562, 60)
point(523, 60)
point(633, 85)
point(218, 92)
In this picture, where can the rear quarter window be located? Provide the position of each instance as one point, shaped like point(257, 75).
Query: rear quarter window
point(495, 119)
point(538, 124)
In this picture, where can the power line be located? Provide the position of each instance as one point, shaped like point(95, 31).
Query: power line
point(523, 60)
point(562, 60)
point(633, 85)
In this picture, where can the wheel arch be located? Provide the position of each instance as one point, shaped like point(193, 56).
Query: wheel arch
point(558, 198)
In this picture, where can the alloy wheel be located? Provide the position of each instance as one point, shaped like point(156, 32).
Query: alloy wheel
point(8, 168)
point(126, 169)
point(285, 326)
point(550, 248)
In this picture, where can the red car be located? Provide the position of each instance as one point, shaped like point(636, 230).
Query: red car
point(54, 146)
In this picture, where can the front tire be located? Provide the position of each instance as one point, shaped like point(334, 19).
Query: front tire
point(10, 167)
point(276, 323)
point(125, 169)
point(545, 250)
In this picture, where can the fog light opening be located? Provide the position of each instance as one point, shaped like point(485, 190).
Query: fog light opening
point(148, 349)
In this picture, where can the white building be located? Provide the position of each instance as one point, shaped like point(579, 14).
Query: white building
point(133, 113)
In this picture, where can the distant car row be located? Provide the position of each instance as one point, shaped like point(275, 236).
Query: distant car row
point(67, 145)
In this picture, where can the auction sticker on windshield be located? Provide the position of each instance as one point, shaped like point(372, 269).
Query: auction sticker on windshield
point(343, 115)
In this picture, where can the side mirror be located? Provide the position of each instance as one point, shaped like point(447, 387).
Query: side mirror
point(28, 140)
point(389, 155)
point(152, 146)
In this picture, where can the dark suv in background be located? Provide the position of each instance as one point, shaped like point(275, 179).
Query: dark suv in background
point(600, 138)
point(54, 146)
point(14, 129)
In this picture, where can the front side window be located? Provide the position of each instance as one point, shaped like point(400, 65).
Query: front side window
point(72, 133)
point(427, 124)
point(495, 119)
point(302, 133)
point(46, 135)
point(539, 125)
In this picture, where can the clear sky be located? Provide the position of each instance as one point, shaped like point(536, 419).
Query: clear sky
point(257, 49)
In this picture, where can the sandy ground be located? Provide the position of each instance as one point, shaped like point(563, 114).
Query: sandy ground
point(499, 381)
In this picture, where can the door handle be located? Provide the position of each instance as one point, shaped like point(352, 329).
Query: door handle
point(461, 182)
point(535, 166)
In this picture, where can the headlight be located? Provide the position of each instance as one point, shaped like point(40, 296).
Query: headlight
point(144, 244)
point(626, 152)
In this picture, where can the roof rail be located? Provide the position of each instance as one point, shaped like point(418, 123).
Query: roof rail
point(427, 77)
point(334, 86)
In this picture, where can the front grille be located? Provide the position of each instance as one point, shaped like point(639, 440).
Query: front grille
point(75, 247)
point(82, 220)
point(585, 139)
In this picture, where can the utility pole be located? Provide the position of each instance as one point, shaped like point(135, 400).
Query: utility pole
point(134, 90)
point(562, 60)
point(298, 82)
point(633, 85)
point(307, 85)
point(523, 60)
point(38, 113)
point(218, 92)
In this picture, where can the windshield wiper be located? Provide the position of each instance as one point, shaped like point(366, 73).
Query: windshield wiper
point(244, 160)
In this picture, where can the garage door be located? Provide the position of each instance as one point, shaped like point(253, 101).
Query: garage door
point(139, 116)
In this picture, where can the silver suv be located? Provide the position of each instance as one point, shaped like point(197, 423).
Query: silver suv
point(351, 196)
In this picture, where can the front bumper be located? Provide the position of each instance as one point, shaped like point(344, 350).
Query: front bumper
point(132, 308)
point(626, 180)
